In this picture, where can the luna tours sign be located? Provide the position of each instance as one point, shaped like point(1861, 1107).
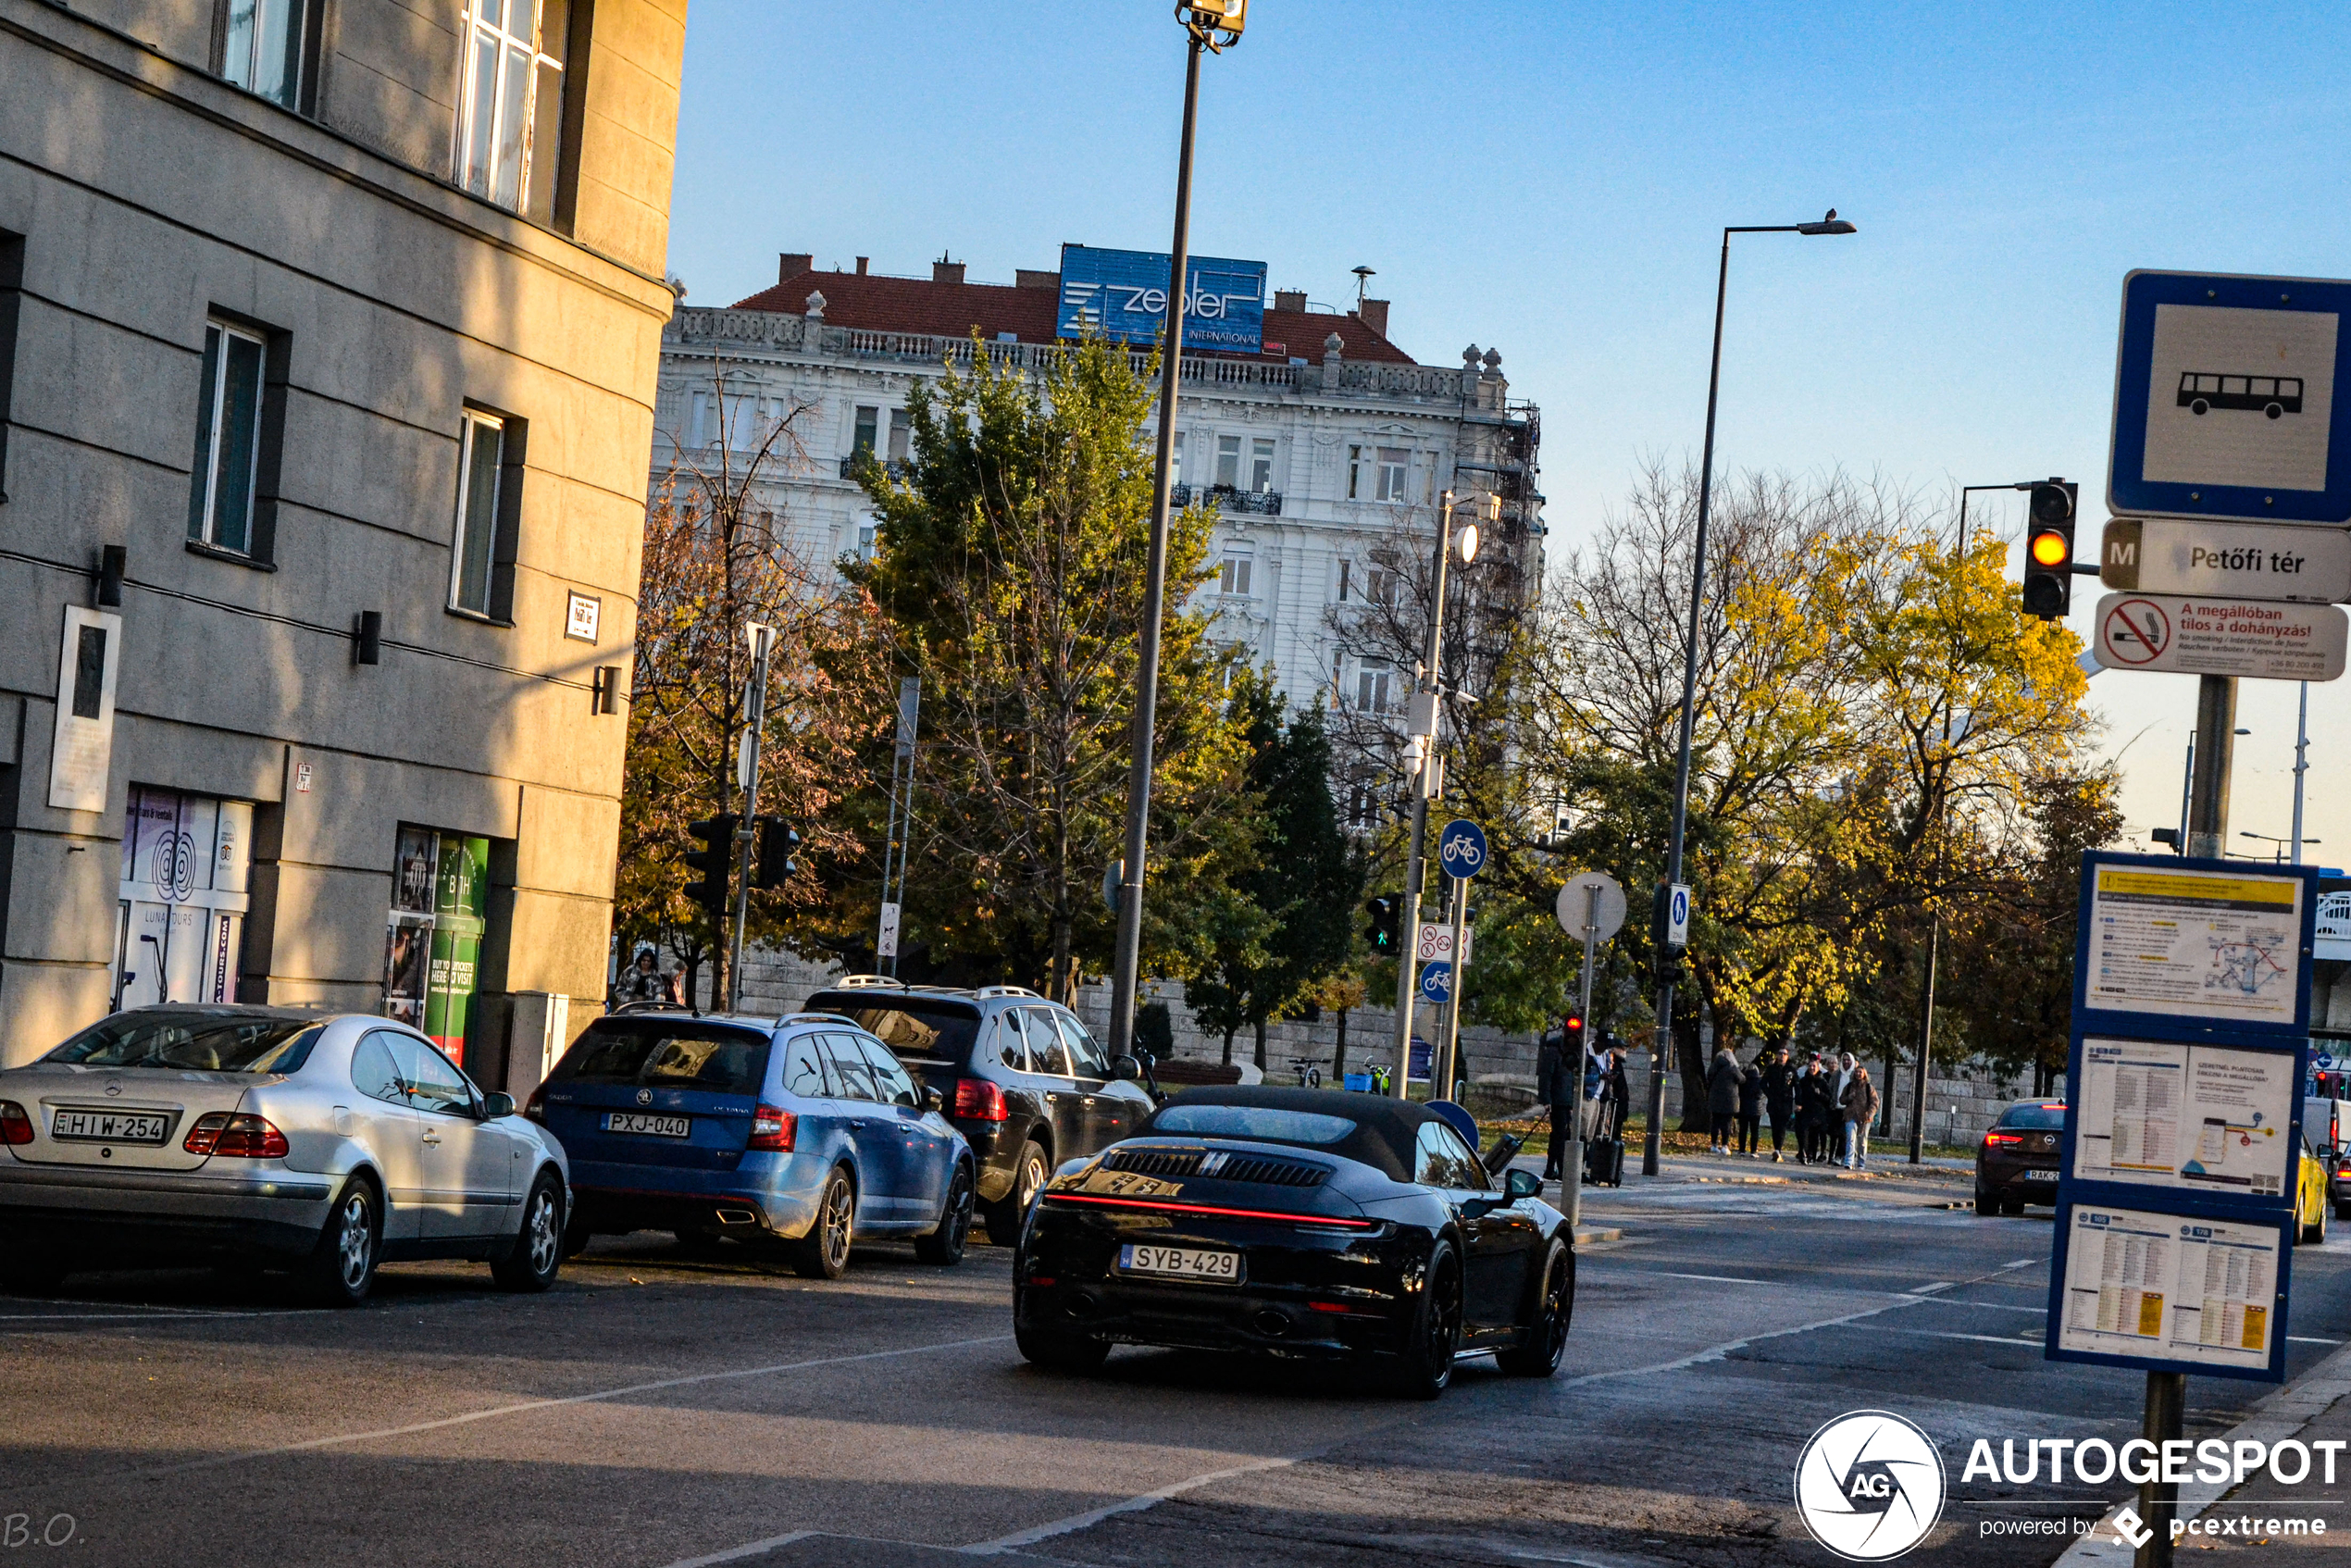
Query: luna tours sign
point(1122, 296)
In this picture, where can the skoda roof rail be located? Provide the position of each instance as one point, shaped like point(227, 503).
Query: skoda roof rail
point(852, 982)
point(1006, 991)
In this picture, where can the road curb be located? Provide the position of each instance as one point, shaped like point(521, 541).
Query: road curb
point(1587, 1234)
point(2283, 1415)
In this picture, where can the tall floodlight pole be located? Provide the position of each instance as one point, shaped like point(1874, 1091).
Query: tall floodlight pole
point(1661, 1051)
point(2301, 767)
point(1212, 26)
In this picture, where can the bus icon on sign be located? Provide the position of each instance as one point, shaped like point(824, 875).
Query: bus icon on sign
point(2273, 395)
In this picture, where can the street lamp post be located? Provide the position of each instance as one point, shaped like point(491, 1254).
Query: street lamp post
point(1212, 26)
point(1652, 1144)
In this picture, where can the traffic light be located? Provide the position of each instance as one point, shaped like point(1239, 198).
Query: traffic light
point(778, 844)
point(712, 860)
point(2048, 551)
point(1573, 1033)
point(1382, 933)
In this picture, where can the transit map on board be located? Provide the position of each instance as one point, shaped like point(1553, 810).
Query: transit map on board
point(2208, 1118)
point(2197, 944)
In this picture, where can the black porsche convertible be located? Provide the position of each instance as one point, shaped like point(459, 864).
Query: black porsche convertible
point(1298, 1223)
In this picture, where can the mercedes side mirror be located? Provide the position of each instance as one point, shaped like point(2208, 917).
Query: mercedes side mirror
point(1127, 1069)
point(496, 1105)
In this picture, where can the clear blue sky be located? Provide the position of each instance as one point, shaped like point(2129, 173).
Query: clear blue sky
point(1550, 179)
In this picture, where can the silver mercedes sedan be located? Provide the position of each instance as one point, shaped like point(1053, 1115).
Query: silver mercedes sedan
point(316, 1143)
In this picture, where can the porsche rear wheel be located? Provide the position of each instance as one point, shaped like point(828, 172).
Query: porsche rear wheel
point(1537, 1354)
point(1435, 1333)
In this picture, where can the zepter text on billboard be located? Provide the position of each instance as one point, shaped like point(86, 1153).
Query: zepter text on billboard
point(1123, 295)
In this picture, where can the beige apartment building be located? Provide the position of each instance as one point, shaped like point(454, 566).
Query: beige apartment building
point(330, 332)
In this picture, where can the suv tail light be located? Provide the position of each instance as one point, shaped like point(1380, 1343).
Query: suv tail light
point(773, 1128)
point(980, 1101)
point(535, 1108)
point(1997, 1140)
point(15, 1125)
point(240, 1137)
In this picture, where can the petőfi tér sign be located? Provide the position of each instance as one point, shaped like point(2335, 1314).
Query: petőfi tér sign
point(2298, 563)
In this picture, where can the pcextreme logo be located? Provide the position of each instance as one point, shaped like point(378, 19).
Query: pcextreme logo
point(1870, 1486)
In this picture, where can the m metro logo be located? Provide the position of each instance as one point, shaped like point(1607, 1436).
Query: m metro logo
point(1870, 1486)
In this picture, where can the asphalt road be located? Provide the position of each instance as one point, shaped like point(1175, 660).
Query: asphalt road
point(655, 1410)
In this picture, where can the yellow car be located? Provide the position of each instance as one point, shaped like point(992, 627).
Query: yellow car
point(2312, 1200)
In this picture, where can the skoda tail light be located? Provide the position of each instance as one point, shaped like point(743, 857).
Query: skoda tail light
point(772, 1127)
point(15, 1125)
point(240, 1137)
point(977, 1099)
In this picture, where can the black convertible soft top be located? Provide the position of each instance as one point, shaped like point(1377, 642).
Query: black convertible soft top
point(1385, 1131)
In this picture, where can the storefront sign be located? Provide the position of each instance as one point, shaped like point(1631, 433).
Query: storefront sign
point(432, 953)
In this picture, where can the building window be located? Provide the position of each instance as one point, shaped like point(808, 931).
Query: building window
point(1363, 807)
point(1379, 578)
point(1175, 460)
point(1354, 473)
point(1344, 577)
point(1260, 465)
point(1228, 461)
point(263, 50)
point(227, 458)
point(514, 102)
point(481, 485)
point(698, 421)
point(1393, 461)
point(866, 534)
point(1232, 577)
point(901, 435)
point(868, 430)
point(11, 303)
point(1372, 688)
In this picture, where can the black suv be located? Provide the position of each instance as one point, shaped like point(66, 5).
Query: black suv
point(1023, 1081)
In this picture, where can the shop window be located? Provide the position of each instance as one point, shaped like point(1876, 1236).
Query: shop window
point(432, 953)
point(185, 891)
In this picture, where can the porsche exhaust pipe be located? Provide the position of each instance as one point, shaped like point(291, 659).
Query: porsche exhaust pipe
point(1272, 1322)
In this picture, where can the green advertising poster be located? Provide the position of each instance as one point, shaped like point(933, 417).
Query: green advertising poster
point(460, 891)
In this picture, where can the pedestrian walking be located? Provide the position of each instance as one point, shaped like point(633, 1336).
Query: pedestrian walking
point(1616, 1097)
point(1813, 1111)
point(1780, 1075)
point(1859, 1110)
point(1750, 1105)
point(1555, 1082)
point(1723, 1096)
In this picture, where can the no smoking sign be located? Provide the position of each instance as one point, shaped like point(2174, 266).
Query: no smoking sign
point(2133, 631)
point(2191, 635)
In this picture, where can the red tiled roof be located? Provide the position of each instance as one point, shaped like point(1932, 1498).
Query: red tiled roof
point(871, 301)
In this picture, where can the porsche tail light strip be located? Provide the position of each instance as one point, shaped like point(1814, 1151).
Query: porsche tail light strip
point(1209, 1211)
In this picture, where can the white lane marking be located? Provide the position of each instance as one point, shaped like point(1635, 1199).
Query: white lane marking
point(1946, 1334)
point(1131, 1505)
point(1932, 1288)
point(752, 1548)
point(2020, 1263)
point(522, 1407)
point(132, 1317)
point(2305, 1339)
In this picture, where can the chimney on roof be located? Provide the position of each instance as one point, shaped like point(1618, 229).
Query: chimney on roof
point(1290, 298)
point(861, 265)
point(792, 264)
point(946, 271)
point(1374, 315)
point(1029, 278)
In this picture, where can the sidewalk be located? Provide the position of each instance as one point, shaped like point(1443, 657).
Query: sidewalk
point(2314, 1409)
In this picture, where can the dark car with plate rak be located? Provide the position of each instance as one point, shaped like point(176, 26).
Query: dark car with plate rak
point(1022, 1079)
point(2017, 1162)
point(803, 1131)
point(1308, 1224)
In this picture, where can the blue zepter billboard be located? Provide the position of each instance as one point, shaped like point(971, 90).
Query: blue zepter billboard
point(1123, 295)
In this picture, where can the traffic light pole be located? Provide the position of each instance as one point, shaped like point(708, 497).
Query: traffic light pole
point(747, 824)
point(1416, 863)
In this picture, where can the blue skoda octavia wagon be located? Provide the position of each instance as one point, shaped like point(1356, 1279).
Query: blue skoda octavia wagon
point(803, 1131)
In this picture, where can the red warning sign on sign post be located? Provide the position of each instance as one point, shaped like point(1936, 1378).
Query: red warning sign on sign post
point(2260, 639)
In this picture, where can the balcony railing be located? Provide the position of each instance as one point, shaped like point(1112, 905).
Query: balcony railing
point(1228, 498)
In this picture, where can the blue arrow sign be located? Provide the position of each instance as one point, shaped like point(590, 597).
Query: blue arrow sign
point(1436, 981)
point(2232, 399)
point(1461, 849)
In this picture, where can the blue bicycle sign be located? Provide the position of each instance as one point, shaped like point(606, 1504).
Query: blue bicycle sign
point(1436, 982)
point(1461, 849)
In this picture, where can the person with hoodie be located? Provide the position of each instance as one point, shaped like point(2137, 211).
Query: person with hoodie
point(1723, 1095)
point(1859, 1108)
point(1780, 1076)
point(1750, 1104)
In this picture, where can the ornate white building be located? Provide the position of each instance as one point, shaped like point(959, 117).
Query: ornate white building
point(1324, 451)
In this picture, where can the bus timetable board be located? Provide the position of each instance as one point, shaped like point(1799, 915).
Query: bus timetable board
point(2175, 1198)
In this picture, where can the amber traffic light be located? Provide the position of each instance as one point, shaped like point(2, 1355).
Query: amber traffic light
point(2048, 551)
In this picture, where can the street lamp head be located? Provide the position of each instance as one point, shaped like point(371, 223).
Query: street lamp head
point(1832, 224)
point(1465, 542)
point(1215, 23)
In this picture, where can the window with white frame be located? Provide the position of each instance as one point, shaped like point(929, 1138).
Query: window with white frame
point(263, 48)
point(867, 533)
point(227, 455)
point(699, 431)
point(868, 431)
point(1228, 461)
point(481, 458)
point(512, 117)
point(1346, 575)
point(1354, 473)
point(1374, 682)
point(1260, 465)
point(1379, 578)
point(901, 435)
point(1232, 574)
point(1395, 463)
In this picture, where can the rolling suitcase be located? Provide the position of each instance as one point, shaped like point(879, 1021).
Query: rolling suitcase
point(1604, 1163)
